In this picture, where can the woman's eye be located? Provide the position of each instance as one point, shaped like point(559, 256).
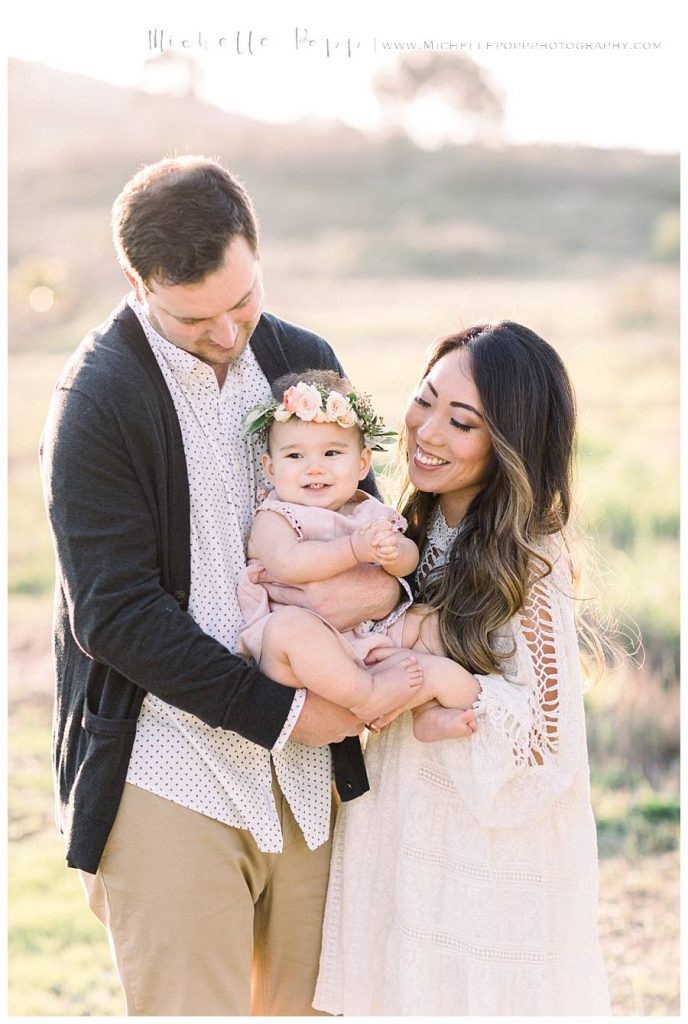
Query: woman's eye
point(421, 401)
point(461, 426)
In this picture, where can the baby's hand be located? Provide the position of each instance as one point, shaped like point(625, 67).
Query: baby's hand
point(376, 541)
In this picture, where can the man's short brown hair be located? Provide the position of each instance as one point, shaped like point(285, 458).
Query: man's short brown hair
point(174, 220)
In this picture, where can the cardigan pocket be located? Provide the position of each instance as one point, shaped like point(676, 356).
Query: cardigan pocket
point(102, 772)
point(97, 725)
point(97, 788)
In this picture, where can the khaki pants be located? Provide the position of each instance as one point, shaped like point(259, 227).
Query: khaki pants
point(200, 922)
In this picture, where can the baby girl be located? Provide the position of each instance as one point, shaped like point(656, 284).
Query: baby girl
point(316, 524)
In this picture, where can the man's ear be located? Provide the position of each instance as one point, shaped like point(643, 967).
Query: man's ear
point(266, 463)
point(137, 284)
point(366, 462)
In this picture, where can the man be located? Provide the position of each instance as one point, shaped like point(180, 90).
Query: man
point(200, 827)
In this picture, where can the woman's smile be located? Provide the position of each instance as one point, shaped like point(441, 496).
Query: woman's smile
point(424, 460)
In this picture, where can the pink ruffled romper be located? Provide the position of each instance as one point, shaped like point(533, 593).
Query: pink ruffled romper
point(314, 524)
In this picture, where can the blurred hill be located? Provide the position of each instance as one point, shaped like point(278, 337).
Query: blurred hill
point(333, 201)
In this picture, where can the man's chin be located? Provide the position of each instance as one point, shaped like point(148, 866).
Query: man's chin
point(215, 355)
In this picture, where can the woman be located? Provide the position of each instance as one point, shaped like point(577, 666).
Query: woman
point(465, 882)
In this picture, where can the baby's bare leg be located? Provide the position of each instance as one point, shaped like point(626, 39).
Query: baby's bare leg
point(443, 680)
point(423, 699)
point(446, 685)
point(299, 649)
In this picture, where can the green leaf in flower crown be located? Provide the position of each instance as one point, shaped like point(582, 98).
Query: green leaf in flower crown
point(257, 419)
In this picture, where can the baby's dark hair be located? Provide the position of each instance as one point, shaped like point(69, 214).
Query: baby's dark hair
point(329, 379)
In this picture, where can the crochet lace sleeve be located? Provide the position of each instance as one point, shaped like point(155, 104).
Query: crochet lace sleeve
point(531, 734)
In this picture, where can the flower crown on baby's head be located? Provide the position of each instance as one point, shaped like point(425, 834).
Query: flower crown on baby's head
point(315, 402)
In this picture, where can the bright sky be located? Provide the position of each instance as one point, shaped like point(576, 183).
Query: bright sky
point(593, 72)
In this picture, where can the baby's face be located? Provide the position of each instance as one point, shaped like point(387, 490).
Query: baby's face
point(318, 464)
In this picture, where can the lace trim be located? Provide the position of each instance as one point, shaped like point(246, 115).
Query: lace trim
point(398, 521)
point(506, 720)
point(438, 541)
point(490, 874)
point(532, 730)
point(537, 624)
point(529, 718)
point(487, 953)
point(284, 509)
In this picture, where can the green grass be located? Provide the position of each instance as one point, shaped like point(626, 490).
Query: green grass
point(636, 822)
point(59, 960)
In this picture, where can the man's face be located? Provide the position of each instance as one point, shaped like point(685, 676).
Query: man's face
point(214, 318)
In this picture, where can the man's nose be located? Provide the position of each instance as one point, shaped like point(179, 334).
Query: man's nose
point(224, 331)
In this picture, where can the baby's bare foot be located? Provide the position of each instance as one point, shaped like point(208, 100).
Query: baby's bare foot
point(438, 723)
point(467, 720)
point(395, 681)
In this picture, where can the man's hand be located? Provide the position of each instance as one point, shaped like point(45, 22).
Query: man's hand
point(365, 592)
point(322, 722)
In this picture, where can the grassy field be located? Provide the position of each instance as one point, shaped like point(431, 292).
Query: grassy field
point(59, 960)
point(617, 333)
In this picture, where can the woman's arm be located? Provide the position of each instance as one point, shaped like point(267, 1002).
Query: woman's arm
point(537, 631)
point(530, 743)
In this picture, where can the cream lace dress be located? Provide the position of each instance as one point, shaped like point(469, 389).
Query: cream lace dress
point(465, 882)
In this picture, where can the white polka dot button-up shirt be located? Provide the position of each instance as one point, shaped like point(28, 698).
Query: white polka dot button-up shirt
point(176, 755)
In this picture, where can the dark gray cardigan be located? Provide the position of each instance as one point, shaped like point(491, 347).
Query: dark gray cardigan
point(117, 495)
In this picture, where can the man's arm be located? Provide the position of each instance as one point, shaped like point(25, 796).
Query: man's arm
point(364, 592)
point(101, 503)
point(322, 722)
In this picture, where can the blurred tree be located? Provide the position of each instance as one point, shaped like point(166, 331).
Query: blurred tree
point(666, 241)
point(438, 97)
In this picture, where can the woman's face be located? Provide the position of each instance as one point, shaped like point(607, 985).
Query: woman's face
point(449, 445)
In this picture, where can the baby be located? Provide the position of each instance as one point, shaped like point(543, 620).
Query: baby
point(316, 524)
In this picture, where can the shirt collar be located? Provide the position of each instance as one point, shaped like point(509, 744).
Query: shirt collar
point(185, 366)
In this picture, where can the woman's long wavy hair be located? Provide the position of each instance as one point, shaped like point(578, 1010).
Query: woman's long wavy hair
point(529, 410)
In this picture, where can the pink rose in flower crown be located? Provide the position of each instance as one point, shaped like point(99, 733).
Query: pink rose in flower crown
point(349, 419)
point(308, 401)
point(290, 399)
point(321, 416)
point(337, 406)
point(282, 415)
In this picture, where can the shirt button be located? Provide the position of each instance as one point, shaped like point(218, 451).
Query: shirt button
point(180, 596)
